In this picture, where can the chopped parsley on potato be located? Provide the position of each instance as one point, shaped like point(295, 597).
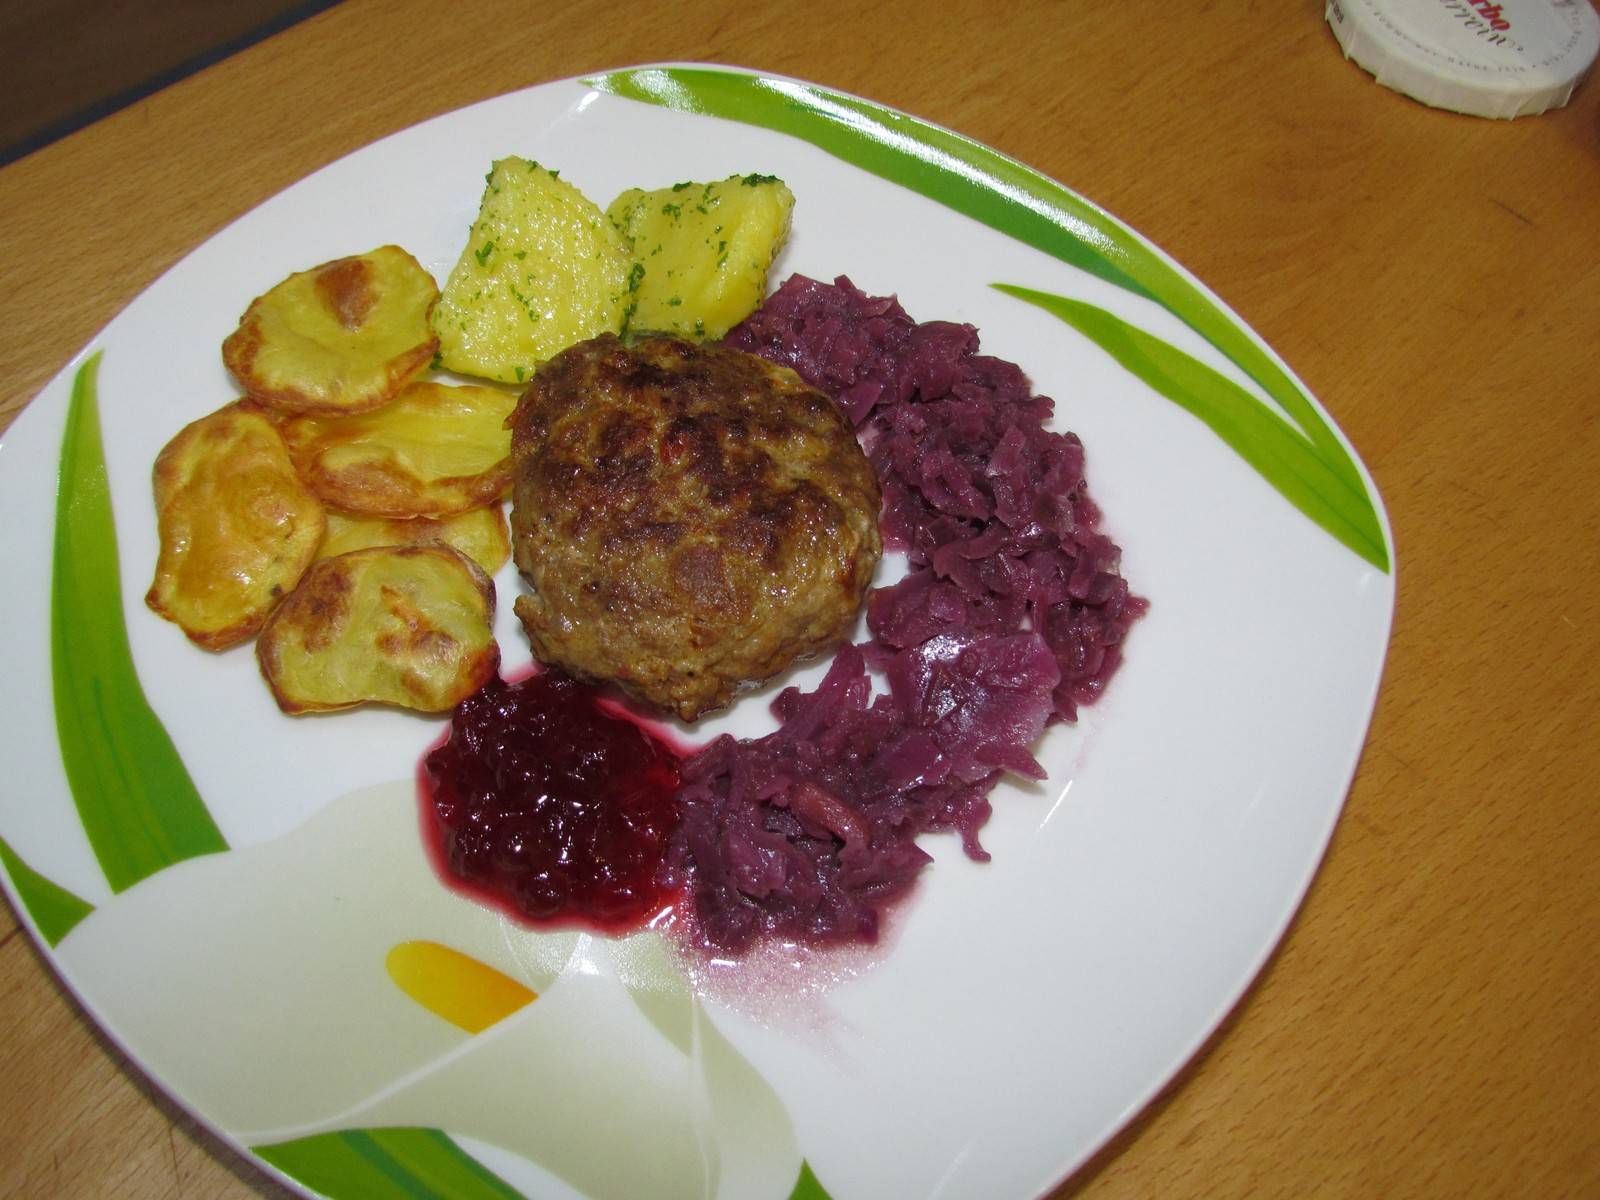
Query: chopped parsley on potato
point(701, 251)
point(542, 269)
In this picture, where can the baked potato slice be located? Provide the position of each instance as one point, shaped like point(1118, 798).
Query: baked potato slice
point(404, 625)
point(436, 449)
point(542, 269)
point(480, 533)
point(237, 525)
point(702, 251)
point(343, 337)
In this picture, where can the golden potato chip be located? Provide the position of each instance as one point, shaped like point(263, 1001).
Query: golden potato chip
point(238, 527)
point(340, 338)
point(479, 533)
point(435, 450)
point(405, 625)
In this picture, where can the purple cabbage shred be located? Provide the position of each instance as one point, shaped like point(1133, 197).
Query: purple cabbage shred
point(1012, 615)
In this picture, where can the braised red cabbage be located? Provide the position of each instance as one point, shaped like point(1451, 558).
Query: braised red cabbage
point(1013, 614)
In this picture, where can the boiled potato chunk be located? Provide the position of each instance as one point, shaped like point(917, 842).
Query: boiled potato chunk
point(344, 337)
point(479, 533)
point(542, 269)
point(237, 526)
point(703, 251)
point(435, 450)
point(404, 625)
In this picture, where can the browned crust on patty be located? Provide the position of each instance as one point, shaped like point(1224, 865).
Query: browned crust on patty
point(690, 519)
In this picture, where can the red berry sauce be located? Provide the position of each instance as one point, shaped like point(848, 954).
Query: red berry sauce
point(553, 805)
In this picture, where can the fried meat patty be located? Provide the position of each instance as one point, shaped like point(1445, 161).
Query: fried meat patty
point(690, 519)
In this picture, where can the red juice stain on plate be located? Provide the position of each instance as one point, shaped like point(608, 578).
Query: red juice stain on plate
point(552, 804)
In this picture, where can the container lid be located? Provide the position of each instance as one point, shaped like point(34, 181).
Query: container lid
point(1490, 58)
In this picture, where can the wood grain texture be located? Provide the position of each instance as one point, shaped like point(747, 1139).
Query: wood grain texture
point(1431, 1025)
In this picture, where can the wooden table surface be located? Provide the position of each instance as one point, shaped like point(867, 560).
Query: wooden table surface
point(1431, 1024)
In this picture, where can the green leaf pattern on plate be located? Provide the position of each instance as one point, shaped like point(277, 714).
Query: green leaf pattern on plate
point(413, 1164)
point(386, 1164)
point(808, 1186)
point(54, 909)
point(1284, 457)
point(1002, 193)
point(134, 796)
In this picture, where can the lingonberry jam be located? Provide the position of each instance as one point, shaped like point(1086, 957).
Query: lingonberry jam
point(553, 805)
